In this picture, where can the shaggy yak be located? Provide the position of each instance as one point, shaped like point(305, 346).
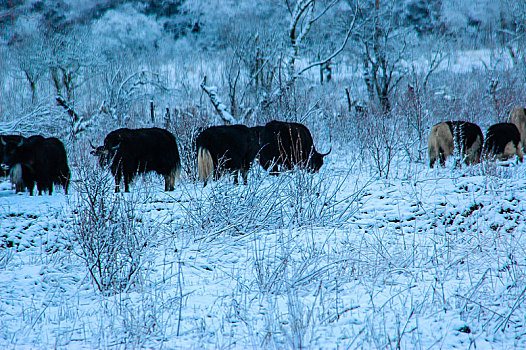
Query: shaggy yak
point(42, 160)
point(129, 152)
point(446, 137)
point(288, 145)
point(503, 141)
point(226, 149)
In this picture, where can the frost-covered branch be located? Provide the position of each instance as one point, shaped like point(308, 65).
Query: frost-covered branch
point(27, 124)
point(335, 53)
point(279, 91)
point(433, 66)
point(220, 107)
point(303, 12)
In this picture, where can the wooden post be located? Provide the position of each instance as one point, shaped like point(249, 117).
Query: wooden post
point(321, 70)
point(349, 103)
point(329, 71)
point(167, 118)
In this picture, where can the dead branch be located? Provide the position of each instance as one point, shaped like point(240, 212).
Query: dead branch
point(71, 112)
point(219, 106)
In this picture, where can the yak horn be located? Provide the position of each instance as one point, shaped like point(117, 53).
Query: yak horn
point(3, 142)
point(91, 144)
point(324, 154)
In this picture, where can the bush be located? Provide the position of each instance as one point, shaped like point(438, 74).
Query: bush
point(294, 198)
point(109, 234)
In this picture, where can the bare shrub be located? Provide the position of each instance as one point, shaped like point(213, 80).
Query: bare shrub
point(6, 255)
point(186, 124)
point(108, 232)
point(294, 198)
point(380, 137)
point(227, 208)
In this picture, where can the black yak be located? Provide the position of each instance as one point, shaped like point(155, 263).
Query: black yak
point(287, 145)
point(503, 141)
point(42, 160)
point(226, 148)
point(129, 152)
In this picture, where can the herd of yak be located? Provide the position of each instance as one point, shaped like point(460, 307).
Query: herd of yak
point(502, 141)
point(128, 152)
point(231, 149)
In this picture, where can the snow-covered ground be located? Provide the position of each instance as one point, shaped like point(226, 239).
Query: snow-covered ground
point(432, 258)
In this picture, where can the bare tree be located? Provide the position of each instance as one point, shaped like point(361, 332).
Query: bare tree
point(417, 105)
point(68, 59)
point(219, 106)
point(124, 85)
point(30, 54)
point(303, 15)
point(382, 49)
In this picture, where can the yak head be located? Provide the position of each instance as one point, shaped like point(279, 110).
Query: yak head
point(316, 160)
point(105, 153)
point(12, 151)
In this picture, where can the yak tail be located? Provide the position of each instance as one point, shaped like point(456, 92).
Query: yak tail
point(205, 165)
point(16, 177)
point(432, 147)
point(177, 171)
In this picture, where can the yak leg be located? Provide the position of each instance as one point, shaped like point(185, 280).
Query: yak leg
point(169, 181)
point(127, 181)
point(31, 187)
point(244, 174)
point(118, 176)
point(66, 187)
point(442, 157)
point(166, 182)
point(64, 182)
point(520, 155)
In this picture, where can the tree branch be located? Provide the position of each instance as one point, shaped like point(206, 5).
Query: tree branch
point(220, 107)
point(334, 54)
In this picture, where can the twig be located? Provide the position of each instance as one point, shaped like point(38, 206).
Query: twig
point(504, 323)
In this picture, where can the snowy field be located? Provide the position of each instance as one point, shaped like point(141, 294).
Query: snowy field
point(432, 258)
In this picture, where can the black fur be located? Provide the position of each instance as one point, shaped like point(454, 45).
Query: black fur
point(464, 135)
point(287, 145)
point(129, 152)
point(498, 136)
point(44, 160)
point(232, 148)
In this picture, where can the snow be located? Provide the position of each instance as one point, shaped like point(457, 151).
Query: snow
point(430, 258)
